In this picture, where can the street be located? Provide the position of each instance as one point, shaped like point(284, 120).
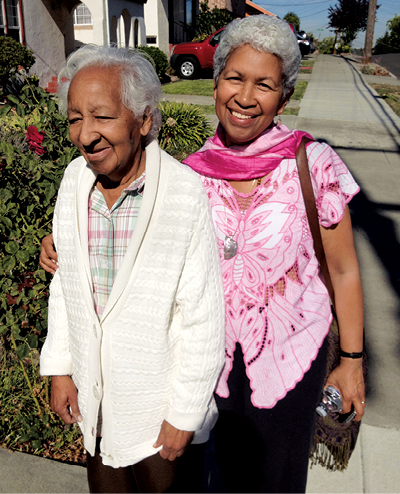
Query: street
point(390, 61)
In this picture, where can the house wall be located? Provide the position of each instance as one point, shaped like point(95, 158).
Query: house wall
point(49, 29)
point(136, 13)
point(83, 34)
point(156, 20)
point(49, 34)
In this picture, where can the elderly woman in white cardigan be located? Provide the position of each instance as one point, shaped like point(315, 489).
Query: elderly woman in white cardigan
point(136, 314)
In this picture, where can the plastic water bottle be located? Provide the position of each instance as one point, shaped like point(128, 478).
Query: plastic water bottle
point(331, 402)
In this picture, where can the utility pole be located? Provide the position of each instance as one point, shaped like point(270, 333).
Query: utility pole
point(369, 35)
point(334, 44)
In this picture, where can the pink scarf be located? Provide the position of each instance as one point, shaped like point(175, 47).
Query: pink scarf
point(249, 161)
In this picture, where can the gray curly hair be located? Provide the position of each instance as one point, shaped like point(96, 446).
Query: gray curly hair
point(140, 86)
point(264, 33)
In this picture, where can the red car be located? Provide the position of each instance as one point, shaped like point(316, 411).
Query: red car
point(187, 59)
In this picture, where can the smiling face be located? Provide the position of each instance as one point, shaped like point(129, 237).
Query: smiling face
point(248, 94)
point(106, 133)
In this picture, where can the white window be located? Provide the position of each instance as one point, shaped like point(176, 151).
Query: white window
point(82, 15)
point(10, 19)
point(2, 23)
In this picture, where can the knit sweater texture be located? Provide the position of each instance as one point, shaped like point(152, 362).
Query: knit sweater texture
point(158, 350)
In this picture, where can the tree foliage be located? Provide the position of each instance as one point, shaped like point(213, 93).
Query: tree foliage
point(292, 18)
point(12, 55)
point(349, 17)
point(209, 21)
point(390, 41)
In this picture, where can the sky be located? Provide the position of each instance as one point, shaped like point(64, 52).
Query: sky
point(313, 15)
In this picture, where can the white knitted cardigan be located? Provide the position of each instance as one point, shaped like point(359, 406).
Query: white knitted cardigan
point(159, 348)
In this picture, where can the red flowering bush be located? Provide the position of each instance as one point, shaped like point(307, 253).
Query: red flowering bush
point(34, 150)
point(34, 138)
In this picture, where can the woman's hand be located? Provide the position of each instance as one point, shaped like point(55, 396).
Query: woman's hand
point(348, 379)
point(341, 257)
point(64, 399)
point(48, 256)
point(174, 441)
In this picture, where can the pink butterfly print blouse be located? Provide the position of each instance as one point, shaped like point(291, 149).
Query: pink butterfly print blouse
point(277, 307)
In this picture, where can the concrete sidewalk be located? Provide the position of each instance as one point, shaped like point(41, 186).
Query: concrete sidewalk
point(341, 108)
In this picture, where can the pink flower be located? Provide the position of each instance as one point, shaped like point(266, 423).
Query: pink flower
point(34, 138)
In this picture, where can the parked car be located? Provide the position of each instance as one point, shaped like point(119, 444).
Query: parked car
point(310, 40)
point(187, 59)
point(304, 43)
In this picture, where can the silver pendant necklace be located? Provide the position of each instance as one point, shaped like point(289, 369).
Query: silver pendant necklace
point(230, 247)
point(230, 244)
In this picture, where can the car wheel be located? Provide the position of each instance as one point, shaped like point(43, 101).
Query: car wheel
point(188, 68)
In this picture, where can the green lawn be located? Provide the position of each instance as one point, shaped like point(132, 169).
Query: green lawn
point(206, 88)
point(308, 63)
point(202, 87)
point(207, 109)
point(291, 111)
point(391, 94)
point(299, 90)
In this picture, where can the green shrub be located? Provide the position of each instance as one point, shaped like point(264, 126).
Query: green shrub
point(201, 37)
point(34, 150)
point(208, 21)
point(184, 128)
point(13, 54)
point(159, 58)
point(326, 45)
point(22, 427)
point(367, 69)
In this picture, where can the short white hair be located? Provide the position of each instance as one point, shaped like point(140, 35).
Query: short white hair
point(140, 86)
point(263, 33)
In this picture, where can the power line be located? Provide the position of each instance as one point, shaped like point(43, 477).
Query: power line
point(310, 15)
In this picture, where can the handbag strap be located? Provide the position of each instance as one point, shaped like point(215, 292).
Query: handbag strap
point(312, 214)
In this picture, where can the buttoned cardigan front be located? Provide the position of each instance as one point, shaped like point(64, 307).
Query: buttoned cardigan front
point(159, 348)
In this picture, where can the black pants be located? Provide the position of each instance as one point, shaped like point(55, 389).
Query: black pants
point(153, 474)
point(267, 450)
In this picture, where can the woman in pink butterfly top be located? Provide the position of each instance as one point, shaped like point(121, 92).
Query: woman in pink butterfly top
point(277, 308)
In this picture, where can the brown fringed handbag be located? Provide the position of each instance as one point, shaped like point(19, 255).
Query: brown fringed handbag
point(334, 440)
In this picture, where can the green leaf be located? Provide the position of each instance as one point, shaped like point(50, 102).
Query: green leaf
point(7, 221)
point(32, 340)
point(22, 256)
point(39, 286)
point(5, 195)
point(8, 263)
point(12, 247)
point(42, 274)
point(20, 110)
point(4, 110)
point(13, 99)
point(3, 329)
point(37, 444)
point(23, 351)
